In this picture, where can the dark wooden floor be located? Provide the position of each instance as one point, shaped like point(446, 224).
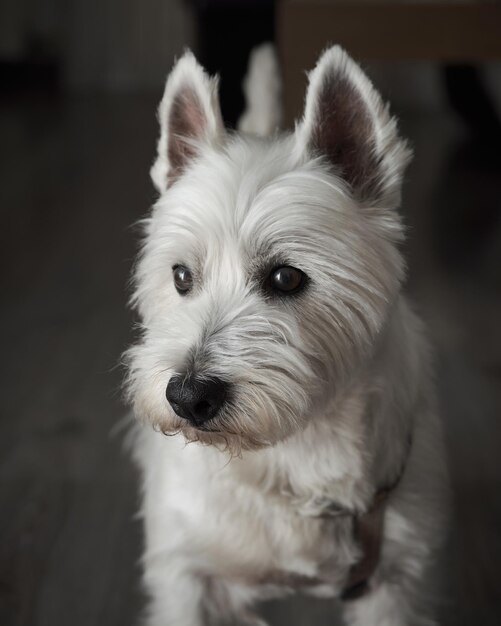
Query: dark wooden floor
point(73, 177)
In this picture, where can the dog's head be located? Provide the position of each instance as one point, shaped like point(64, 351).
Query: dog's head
point(269, 266)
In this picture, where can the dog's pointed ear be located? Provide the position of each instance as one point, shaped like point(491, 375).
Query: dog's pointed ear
point(189, 116)
point(346, 122)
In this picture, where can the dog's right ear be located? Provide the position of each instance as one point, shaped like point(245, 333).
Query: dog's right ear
point(189, 116)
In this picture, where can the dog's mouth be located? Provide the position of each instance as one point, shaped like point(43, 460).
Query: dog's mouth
point(212, 427)
point(223, 436)
point(206, 427)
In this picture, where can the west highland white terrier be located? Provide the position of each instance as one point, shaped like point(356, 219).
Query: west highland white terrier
point(279, 354)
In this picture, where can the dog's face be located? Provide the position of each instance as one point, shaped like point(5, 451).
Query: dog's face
point(269, 266)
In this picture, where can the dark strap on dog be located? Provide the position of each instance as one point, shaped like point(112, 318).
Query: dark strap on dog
point(368, 531)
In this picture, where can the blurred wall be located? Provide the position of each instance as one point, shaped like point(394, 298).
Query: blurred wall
point(124, 44)
point(25, 22)
point(99, 44)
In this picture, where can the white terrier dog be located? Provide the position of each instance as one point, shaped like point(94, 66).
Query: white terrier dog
point(276, 342)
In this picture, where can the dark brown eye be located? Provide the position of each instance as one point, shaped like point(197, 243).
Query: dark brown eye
point(287, 280)
point(182, 279)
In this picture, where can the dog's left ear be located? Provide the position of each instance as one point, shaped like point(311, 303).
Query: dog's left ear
point(346, 122)
point(189, 116)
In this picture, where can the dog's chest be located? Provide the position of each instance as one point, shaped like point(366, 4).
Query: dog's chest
point(267, 540)
point(259, 534)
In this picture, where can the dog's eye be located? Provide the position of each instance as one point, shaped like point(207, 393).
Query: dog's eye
point(182, 279)
point(287, 280)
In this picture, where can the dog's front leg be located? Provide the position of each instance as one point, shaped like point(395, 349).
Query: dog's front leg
point(176, 594)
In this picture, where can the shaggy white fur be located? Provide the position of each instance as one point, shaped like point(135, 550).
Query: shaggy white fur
point(327, 386)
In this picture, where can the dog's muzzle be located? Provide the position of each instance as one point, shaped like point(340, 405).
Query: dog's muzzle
point(196, 400)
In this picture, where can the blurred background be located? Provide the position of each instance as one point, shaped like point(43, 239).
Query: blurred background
point(79, 84)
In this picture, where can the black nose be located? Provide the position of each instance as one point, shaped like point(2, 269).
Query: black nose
point(196, 400)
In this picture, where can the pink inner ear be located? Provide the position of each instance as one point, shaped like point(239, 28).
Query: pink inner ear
point(187, 123)
point(344, 132)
